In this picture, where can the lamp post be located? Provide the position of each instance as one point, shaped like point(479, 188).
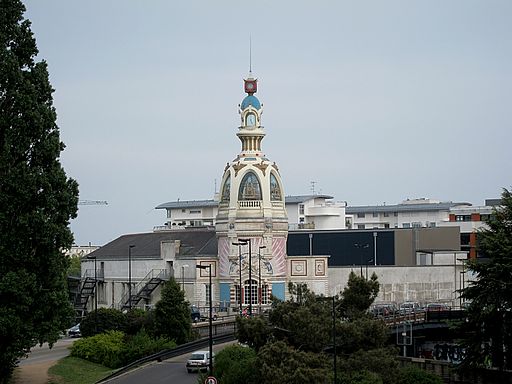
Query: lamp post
point(183, 276)
point(210, 339)
point(361, 246)
point(375, 248)
point(367, 262)
point(260, 292)
point(239, 244)
point(95, 295)
point(248, 241)
point(130, 276)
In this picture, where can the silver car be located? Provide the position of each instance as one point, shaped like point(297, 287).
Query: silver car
point(199, 361)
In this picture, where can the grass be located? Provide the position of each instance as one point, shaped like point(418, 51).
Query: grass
point(72, 370)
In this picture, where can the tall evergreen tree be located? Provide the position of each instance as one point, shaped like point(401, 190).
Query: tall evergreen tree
point(489, 324)
point(172, 317)
point(37, 200)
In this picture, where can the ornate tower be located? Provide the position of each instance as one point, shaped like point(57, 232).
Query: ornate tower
point(252, 207)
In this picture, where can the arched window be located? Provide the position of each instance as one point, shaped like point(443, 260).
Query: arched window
point(249, 188)
point(275, 190)
point(226, 190)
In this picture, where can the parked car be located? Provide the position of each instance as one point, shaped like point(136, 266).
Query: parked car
point(383, 309)
point(409, 307)
point(74, 331)
point(199, 361)
point(195, 314)
point(436, 307)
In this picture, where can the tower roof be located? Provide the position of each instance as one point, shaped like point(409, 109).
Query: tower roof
point(250, 100)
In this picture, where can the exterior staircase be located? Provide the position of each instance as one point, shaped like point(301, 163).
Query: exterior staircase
point(144, 289)
point(85, 291)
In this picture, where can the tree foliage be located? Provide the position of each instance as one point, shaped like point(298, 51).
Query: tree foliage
point(172, 314)
point(37, 200)
point(103, 320)
point(489, 324)
point(358, 295)
point(236, 364)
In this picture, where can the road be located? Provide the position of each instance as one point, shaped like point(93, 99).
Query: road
point(168, 371)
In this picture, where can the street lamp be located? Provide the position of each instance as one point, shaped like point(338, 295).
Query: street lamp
point(260, 292)
point(130, 276)
point(183, 276)
point(95, 295)
point(375, 248)
point(361, 246)
point(248, 241)
point(239, 244)
point(210, 341)
point(367, 262)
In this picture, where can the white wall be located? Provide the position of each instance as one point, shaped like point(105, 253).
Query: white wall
point(415, 283)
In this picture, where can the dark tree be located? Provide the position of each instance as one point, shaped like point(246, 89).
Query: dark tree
point(489, 324)
point(37, 199)
point(172, 314)
point(358, 295)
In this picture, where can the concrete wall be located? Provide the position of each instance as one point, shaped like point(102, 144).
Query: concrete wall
point(432, 283)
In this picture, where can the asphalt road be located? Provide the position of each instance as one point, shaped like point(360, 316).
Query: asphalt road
point(168, 371)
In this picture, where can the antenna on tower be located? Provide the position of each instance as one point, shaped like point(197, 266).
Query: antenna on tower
point(250, 55)
point(313, 183)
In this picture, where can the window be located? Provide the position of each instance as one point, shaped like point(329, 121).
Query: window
point(301, 209)
point(264, 294)
point(237, 294)
point(275, 190)
point(375, 214)
point(360, 215)
point(360, 226)
point(195, 211)
point(416, 224)
point(406, 225)
point(249, 188)
point(253, 288)
point(395, 214)
point(226, 190)
point(386, 225)
point(386, 214)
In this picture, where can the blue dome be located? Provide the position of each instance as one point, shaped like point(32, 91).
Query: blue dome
point(250, 100)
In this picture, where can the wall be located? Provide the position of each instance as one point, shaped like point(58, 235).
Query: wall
point(412, 283)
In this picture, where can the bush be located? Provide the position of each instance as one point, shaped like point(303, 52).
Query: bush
point(236, 364)
point(142, 344)
point(136, 320)
point(414, 375)
point(105, 348)
point(103, 320)
point(114, 349)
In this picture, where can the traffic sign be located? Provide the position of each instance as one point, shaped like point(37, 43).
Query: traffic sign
point(210, 380)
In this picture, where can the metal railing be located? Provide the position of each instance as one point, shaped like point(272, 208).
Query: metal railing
point(162, 274)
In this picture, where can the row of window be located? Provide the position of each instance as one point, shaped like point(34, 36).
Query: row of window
point(415, 224)
point(362, 215)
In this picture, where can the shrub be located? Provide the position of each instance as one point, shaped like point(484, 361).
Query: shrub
point(105, 348)
point(142, 344)
point(102, 320)
point(136, 320)
point(114, 349)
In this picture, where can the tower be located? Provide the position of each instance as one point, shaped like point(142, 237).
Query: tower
point(251, 207)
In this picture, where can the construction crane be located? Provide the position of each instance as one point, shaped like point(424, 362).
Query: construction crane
point(92, 202)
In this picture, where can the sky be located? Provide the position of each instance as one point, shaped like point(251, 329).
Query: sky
point(373, 101)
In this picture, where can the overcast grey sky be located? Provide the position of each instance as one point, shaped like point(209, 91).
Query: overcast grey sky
point(376, 101)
